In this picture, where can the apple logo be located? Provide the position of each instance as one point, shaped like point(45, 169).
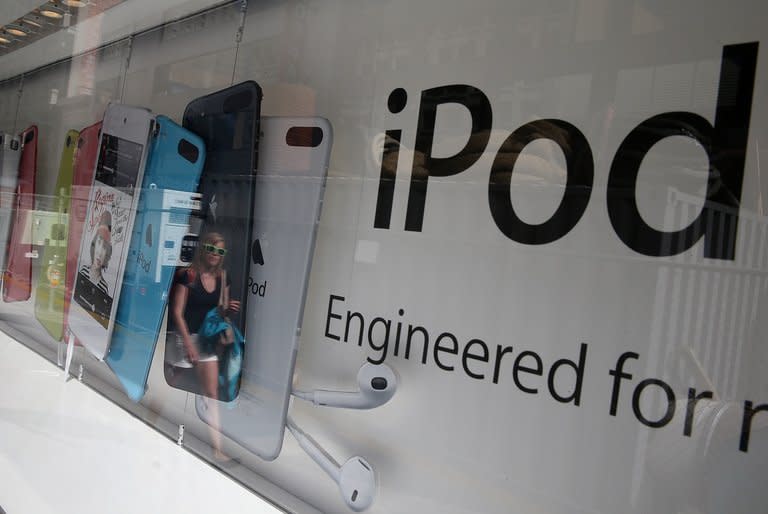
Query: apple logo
point(213, 205)
point(256, 255)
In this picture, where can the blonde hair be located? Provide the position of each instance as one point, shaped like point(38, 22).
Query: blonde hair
point(209, 238)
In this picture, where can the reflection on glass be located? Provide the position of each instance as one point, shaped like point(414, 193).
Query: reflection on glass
point(200, 291)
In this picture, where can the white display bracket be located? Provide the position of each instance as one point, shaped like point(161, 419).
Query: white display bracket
point(60, 354)
point(70, 351)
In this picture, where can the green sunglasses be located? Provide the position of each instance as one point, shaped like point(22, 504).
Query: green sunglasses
point(214, 249)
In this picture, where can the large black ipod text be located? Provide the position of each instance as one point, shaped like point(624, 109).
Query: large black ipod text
point(725, 143)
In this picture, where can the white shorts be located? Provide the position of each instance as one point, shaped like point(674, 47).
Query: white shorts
point(176, 353)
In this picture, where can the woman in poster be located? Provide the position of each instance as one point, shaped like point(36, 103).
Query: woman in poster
point(196, 291)
point(101, 252)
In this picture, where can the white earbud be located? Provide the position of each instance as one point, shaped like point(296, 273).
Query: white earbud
point(377, 383)
point(356, 478)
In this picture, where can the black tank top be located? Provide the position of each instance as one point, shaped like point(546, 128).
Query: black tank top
point(199, 301)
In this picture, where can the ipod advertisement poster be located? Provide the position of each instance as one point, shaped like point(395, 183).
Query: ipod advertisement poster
point(547, 218)
point(559, 245)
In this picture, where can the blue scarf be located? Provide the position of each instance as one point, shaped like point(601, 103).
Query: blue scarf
point(211, 331)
